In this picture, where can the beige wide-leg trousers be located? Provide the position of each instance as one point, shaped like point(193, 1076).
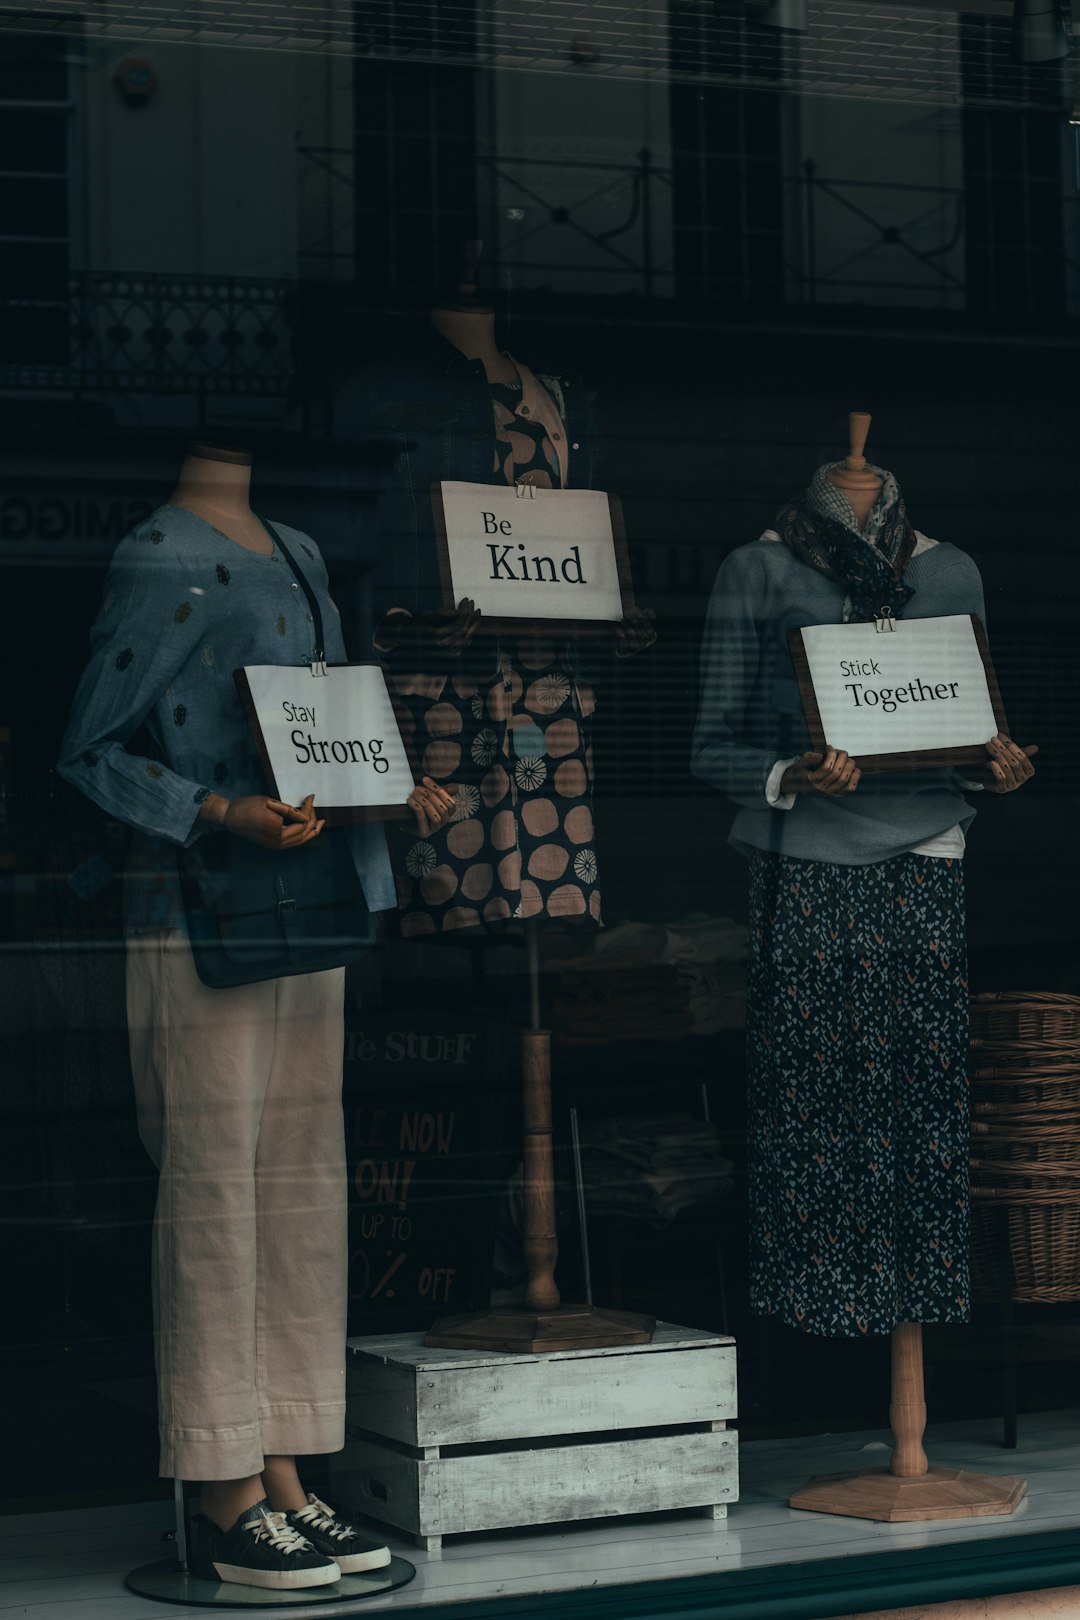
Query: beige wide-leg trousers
point(238, 1095)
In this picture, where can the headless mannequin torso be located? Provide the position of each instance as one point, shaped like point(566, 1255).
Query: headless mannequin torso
point(215, 484)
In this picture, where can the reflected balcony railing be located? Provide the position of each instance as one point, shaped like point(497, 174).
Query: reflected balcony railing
point(715, 228)
point(567, 228)
point(124, 332)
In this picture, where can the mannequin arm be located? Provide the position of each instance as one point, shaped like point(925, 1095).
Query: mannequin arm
point(730, 709)
point(430, 642)
point(636, 633)
point(148, 627)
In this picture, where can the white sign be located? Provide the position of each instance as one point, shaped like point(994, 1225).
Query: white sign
point(920, 686)
point(524, 553)
point(333, 735)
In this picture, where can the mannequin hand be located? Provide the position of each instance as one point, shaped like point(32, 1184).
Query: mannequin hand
point(1009, 765)
point(437, 636)
point(636, 632)
point(271, 823)
point(451, 632)
point(431, 804)
point(836, 775)
point(454, 631)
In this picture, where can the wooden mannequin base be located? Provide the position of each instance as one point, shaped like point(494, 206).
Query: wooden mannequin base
point(940, 1493)
point(567, 1327)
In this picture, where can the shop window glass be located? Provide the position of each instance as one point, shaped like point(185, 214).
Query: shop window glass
point(696, 241)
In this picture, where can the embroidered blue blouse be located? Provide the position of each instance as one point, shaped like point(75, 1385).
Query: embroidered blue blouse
point(183, 607)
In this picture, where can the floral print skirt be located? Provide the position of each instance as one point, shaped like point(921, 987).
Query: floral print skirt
point(858, 1107)
point(517, 745)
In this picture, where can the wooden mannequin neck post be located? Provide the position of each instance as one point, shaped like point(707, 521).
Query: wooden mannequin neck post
point(215, 484)
point(861, 486)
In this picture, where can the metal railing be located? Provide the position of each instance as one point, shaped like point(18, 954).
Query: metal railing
point(627, 227)
point(567, 226)
point(154, 334)
point(919, 226)
point(618, 216)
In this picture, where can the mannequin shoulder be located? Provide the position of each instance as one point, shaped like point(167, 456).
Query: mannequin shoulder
point(949, 575)
point(944, 559)
point(752, 566)
point(300, 543)
point(162, 543)
point(565, 387)
point(766, 554)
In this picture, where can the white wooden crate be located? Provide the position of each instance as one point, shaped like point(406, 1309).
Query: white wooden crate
point(443, 1441)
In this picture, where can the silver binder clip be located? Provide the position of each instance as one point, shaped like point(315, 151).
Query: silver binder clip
point(884, 619)
point(525, 492)
point(318, 665)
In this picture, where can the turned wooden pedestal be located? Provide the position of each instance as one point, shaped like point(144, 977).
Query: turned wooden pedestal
point(544, 1322)
point(909, 1488)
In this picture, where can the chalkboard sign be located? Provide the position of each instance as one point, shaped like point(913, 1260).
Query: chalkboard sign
point(427, 1099)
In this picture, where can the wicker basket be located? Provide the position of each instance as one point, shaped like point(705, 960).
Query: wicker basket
point(1047, 1018)
point(1044, 1144)
point(1027, 1175)
point(1025, 1146)
point(1026, 1063)
point(1042, 1231)
point(1059, 1092)
point(1003, 1115)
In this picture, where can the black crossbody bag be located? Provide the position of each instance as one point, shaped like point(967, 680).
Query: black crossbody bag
point(254, 913)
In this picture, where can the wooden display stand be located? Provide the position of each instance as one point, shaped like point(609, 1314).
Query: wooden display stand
point(909, 1489)
point(439, 1442)
point(543, 1322)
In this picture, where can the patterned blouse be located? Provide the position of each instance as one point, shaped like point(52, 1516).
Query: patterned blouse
point(183, 607)
point(518, 745)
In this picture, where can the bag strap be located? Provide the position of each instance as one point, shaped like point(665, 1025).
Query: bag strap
point(302, 581)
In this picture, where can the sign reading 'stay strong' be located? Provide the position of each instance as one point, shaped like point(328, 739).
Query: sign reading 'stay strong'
point(335, 736)
point(527, 554)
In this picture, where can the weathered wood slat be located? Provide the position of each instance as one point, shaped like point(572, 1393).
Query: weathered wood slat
point(552, 1485)
point(410, 1350)
point(471, 1405)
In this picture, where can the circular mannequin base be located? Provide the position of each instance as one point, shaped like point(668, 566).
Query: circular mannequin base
point(168, 1583)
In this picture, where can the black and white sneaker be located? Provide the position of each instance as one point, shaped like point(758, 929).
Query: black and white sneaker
point(343, 1542)
point(261, 1549)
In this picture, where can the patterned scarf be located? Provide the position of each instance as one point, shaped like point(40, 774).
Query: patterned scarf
point(822, 531)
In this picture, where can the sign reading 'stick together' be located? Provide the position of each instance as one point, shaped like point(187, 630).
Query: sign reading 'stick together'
point(533, 558)
point(921, 693)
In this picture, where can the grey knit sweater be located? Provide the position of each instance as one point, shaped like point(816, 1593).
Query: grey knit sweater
point(750, 713)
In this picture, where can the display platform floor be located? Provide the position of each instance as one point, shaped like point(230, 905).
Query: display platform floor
point(764, 1560)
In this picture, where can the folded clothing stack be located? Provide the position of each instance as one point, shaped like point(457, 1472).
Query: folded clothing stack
point(654, 981)
point(652, 1169)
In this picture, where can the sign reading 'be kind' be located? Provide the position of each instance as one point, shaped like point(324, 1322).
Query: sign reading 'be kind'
point(921, 693)
point(334, 735)
point(533, 558)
